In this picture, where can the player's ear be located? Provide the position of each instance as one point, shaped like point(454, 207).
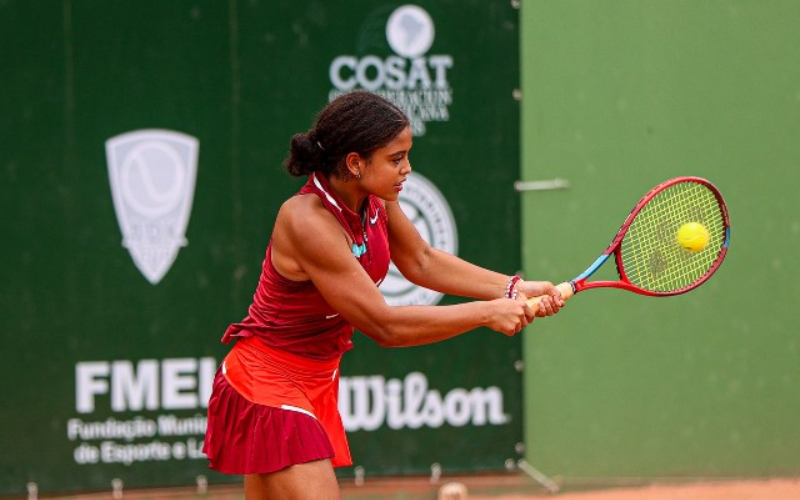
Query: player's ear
point(354, 163)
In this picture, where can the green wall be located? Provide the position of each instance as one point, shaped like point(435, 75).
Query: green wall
point(617, 96)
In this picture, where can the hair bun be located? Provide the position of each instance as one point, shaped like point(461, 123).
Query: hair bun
point(356, 122)
point(304, 157)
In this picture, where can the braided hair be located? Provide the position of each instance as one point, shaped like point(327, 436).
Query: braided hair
point(358, 122)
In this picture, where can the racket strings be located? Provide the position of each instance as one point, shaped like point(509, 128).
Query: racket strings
point(651, 256)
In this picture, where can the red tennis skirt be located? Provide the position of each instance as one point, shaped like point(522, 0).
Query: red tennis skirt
point(270, 409)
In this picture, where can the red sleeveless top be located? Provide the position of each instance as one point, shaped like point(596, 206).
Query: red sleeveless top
point(293, 315)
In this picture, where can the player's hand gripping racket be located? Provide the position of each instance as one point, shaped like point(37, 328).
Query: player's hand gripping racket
point(674, 239)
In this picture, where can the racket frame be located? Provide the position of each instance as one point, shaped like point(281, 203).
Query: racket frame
point(579, 283)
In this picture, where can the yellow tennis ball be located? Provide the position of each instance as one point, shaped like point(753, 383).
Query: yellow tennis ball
point(693, 236)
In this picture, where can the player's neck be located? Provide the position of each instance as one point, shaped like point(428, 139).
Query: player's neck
point(349, 192)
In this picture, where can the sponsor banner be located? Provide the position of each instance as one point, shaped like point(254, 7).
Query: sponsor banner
point(155, 410)
point(371, 402)
point(456, 403)
point(142, 199)
point(149, 411)
point(410, 77)
point(152, 175)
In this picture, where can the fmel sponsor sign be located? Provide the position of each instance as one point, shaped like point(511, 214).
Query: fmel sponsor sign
point(150, 392)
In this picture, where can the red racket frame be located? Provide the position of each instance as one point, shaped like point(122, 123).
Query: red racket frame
point(579, 283)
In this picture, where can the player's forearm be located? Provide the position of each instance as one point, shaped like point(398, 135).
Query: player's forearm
point(451, 275)
point(406, 326)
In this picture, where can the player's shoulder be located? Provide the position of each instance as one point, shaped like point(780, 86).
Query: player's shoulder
point(304, 214)
point(301, 203)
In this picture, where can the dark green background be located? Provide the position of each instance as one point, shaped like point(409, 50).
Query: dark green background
point(241, 77)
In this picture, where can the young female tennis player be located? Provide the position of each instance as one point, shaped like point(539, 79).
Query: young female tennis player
point(273, 414)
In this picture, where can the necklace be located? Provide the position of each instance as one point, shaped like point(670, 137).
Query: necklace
point(359, 250)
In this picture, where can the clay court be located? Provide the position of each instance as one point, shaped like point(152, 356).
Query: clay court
point(505, 487)
point(520, 488)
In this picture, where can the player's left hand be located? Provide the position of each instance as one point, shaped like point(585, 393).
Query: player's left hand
point(551, 302)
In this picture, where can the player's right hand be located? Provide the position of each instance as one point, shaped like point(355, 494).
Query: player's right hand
point(509, 316)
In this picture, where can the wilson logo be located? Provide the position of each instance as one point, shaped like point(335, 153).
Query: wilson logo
point(152, 175)
point(370, 402)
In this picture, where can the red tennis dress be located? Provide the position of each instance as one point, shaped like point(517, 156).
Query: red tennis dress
point(275, 397)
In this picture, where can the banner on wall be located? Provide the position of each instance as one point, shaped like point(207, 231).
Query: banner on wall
point(135, 411)
point(409, 76)
point(152, 175)
point(159, 213)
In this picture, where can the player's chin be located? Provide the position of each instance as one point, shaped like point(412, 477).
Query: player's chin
point(391, 195)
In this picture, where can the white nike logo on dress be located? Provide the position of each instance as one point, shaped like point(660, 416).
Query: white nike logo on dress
point(373, 220)
point(299, 410)
point(331, 316)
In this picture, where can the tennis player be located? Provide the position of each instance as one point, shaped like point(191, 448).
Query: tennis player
point(273, 415)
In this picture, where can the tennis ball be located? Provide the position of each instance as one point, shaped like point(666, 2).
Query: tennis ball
point(693, 236)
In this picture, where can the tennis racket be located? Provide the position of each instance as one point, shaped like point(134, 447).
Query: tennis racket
point(650, 249)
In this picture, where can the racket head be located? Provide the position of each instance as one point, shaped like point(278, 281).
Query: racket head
point(650, 258)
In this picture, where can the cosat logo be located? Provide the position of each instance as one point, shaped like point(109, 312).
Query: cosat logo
point(413, 81)
point(152, 175)
point(428, 209)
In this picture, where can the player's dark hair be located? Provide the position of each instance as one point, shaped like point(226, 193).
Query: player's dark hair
point(356, 122)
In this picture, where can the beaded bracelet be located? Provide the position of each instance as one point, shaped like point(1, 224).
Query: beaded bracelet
point(511, 287)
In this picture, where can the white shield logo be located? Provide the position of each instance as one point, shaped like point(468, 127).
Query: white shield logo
point(152, 175)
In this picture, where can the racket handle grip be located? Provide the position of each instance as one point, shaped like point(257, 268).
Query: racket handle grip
point(564, 288)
